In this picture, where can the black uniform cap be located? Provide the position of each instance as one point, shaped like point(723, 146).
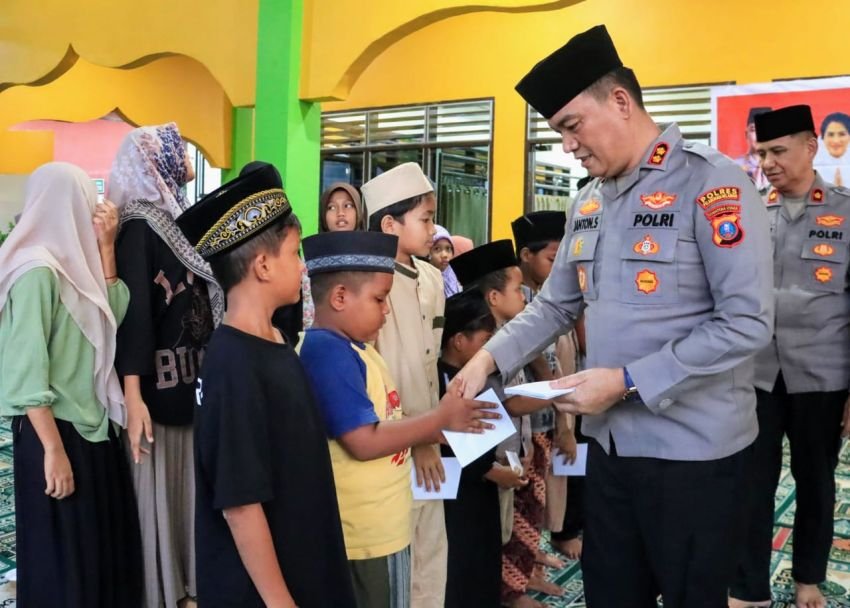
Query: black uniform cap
point(539, 226)
point(784, 121)
point(560, 77)
point(477, 263)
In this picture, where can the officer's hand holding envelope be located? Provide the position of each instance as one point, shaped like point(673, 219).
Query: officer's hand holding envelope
point(464, 415)
point(596, 390)
point(474, 374)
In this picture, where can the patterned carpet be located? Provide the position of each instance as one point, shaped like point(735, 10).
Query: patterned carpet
point(837, 587)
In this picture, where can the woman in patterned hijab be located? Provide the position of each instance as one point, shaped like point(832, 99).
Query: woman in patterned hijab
point(174, 305)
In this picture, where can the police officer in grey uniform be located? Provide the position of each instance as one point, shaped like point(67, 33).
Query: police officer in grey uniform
point(803, 375)
point(667, 252)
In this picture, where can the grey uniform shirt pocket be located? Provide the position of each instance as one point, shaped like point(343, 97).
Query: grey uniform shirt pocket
point(582, 254)
point(824, 264)
point(648, 271)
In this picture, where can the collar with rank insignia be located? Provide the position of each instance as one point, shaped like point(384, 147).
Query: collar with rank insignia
point(773, 197)
point(817, 196)
point(659, 151)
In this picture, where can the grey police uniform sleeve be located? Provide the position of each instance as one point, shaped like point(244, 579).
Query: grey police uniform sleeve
point(740, 280)
point(553, 312)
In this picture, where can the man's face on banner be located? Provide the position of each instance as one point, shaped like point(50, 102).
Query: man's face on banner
point(751, 138)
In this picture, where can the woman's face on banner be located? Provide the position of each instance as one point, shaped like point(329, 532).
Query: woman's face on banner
point(836, 138)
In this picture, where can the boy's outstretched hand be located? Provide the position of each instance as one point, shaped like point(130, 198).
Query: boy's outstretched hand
point(465, 415)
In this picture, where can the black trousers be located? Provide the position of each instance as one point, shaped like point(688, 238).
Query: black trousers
point(574, 515)
point(812, 422)
point(83, 551)
point(663, 527)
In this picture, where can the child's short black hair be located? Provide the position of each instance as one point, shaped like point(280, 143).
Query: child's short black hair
point(396, 210)
point(533, 247)
point(498, 280)
point(322, 283)
point(486, 323)
point(466, 313)
point(232, 266)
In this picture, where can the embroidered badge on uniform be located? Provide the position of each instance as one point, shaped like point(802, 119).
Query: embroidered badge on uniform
point(589, 207)
point(658, 153)
point(393, 401)
point(657, 200)
point(646, 281)
point(823, 249)
point(829, 220)
point(582, 278)
point(726, 223)
point(647, 246)
point(718, 195)
point(823, 274)
point(817, 195)
point(578, 246)
point(773, 197)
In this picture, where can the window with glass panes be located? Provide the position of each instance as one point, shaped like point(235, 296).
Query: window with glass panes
point(207, 177)
point(451, 141)
point(553, 175)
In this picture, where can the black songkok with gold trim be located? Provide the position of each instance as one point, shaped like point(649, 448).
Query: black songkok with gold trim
point(236, 212)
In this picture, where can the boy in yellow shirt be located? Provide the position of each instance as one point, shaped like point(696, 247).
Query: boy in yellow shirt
point(351, 275)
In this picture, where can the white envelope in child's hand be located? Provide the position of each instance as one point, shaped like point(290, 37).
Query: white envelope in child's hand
point(448, 488)
point(537, 390)
point(560, 467)
point(469, 446)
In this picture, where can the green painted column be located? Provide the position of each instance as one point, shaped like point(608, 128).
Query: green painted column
point(242, 144)
point(287, 130)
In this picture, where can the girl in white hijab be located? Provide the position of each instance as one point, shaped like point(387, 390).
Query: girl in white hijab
point(174, 305)
point(60, 305)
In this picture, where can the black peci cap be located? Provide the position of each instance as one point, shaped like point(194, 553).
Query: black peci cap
point(560, 77)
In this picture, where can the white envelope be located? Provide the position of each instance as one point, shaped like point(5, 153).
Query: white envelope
point(448, 489)
point(576, 469)
point(537, 390)
point(469, 446)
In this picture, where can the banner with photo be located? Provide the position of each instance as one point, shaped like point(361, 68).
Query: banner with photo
point(733, 108)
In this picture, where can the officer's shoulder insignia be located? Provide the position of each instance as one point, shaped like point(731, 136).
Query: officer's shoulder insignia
point(841, 190)
point(718, 195)
point(659, 153)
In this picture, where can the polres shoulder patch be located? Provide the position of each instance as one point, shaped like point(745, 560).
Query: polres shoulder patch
point(718, 195)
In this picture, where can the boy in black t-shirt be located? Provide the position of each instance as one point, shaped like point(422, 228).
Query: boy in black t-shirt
point(267, 522)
